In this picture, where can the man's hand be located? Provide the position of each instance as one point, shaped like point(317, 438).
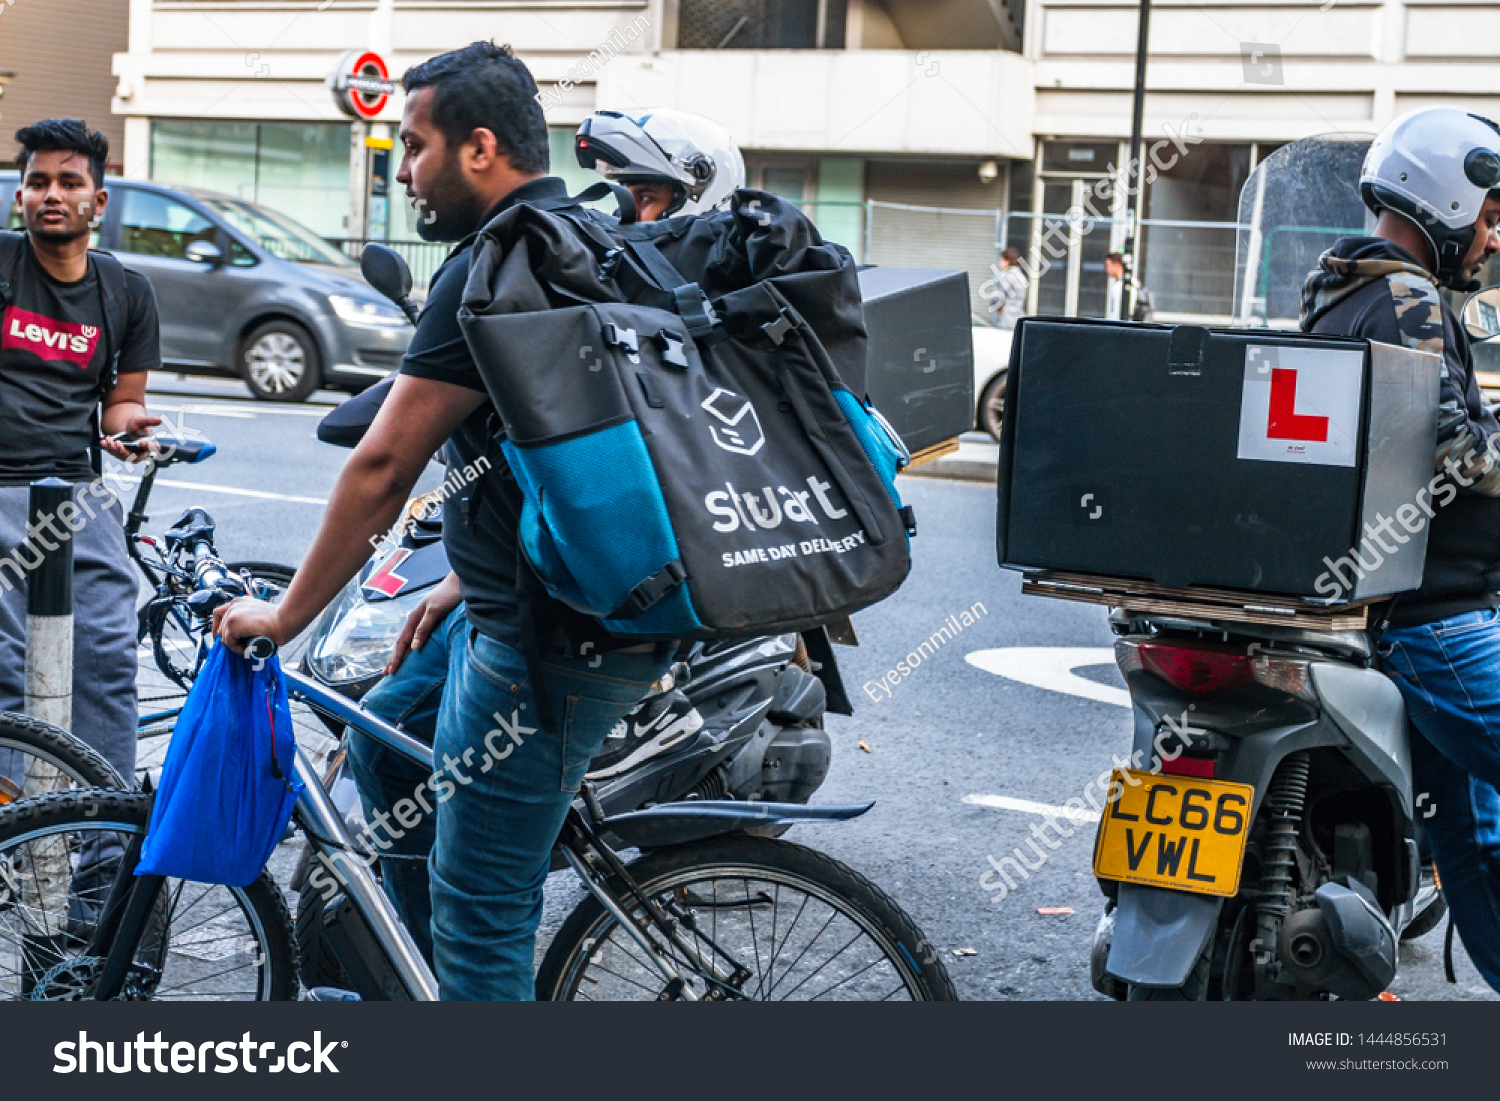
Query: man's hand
point(424, 619)
point(239, 621)
point(133, 453)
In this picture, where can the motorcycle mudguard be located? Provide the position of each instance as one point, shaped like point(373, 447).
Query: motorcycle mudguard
point(1159, 934)
point(677, 823)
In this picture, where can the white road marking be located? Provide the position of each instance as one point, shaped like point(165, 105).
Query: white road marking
point(1026, 806)
point(236, 491)
point(1051, 667)
point(221, 407)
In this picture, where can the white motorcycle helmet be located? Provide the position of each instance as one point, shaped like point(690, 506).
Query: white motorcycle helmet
point(1434, 167)
point(695, 155)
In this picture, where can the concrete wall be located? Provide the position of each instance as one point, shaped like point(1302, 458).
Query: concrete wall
point(60, 51)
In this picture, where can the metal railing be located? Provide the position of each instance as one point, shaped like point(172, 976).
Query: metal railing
point(423, 257)
point(1189, 267)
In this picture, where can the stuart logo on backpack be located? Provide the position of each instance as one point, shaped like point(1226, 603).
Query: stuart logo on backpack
point(714, 474)
point(732, 433)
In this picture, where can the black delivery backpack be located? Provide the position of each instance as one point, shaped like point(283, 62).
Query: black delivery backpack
point(679, 408)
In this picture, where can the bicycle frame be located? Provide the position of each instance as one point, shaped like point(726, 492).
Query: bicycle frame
point(401, 972)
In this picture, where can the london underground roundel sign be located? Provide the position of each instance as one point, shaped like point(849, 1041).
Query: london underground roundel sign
point(361, 84)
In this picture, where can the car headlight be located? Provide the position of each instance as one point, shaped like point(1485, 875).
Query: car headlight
point(353, 639)
point(361, 311)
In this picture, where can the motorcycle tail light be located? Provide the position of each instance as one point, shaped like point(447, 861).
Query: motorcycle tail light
point(1200, 669)
point(1201, 768)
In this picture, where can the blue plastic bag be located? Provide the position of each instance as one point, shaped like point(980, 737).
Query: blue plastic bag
point(227, 787)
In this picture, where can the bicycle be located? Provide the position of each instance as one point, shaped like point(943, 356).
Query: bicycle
point(176, 637)
point(36, 757)
point(705, 913)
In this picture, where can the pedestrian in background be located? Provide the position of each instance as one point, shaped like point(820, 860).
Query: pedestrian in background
point(1011, 286)
point(1114, 268)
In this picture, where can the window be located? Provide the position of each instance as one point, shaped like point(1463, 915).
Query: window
point(300, 169)
point(154, 225)
point(789, 183)
point(761, 24)
point(280, 236)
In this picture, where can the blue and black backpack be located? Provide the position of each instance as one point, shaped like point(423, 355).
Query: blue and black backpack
point(681, 409)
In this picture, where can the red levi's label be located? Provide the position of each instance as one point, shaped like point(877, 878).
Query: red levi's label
point(49, 339)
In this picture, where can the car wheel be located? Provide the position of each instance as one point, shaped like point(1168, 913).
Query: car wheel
point(992, 407)
point(280, 362)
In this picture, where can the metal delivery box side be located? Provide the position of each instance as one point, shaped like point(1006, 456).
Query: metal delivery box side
point(920, 371)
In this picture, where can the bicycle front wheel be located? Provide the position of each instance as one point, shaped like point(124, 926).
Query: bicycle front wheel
point(59, 856)
point(37, 758)
point(758, 919)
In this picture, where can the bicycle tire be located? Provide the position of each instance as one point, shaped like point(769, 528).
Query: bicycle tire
point(79, 762)
point(316, 961)
point(128, 813)
point(783, 863)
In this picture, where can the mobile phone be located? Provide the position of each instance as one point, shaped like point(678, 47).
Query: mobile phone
point(132, 440)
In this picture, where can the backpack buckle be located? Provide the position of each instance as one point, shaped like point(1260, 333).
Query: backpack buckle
point(610, 262)
point(674, 349)
point(617, 336)
point(645, 596)
point(777, 329)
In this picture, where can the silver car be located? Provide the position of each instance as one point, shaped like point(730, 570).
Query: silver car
point(246, 290)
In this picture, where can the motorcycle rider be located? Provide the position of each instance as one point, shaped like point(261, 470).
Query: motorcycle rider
point(673, 163)
point(1432, 178)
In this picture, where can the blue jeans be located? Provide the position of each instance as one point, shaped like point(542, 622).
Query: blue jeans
point(409, 698)
point(501, 788)
point(1449, 675)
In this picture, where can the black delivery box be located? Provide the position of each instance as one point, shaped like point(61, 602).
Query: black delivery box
point(920, 371)
point(1229, 458)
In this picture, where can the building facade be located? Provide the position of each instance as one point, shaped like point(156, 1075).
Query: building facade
point(923, 132)
point(55, 62)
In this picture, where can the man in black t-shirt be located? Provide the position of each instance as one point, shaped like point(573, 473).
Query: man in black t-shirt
point(72, 368)
point(475, 142)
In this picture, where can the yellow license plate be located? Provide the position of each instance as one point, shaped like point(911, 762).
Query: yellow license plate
point(1175, 831)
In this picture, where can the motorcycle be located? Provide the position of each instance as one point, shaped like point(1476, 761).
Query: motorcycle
point(1273, 850)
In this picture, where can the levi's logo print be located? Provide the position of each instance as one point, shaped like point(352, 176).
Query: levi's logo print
point(42, 336)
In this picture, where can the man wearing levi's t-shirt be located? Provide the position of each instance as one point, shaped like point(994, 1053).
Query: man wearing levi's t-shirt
point(69, 373)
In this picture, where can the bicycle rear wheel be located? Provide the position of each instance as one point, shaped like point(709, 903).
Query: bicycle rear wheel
point(777, 921)
point(59, 856)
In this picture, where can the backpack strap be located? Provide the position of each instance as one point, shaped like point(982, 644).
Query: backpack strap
point(114, 295)
point(12, 252)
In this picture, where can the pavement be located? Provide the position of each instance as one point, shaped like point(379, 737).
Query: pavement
point(974, 461)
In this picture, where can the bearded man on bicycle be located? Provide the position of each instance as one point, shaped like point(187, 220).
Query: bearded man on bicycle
point(475, 143)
